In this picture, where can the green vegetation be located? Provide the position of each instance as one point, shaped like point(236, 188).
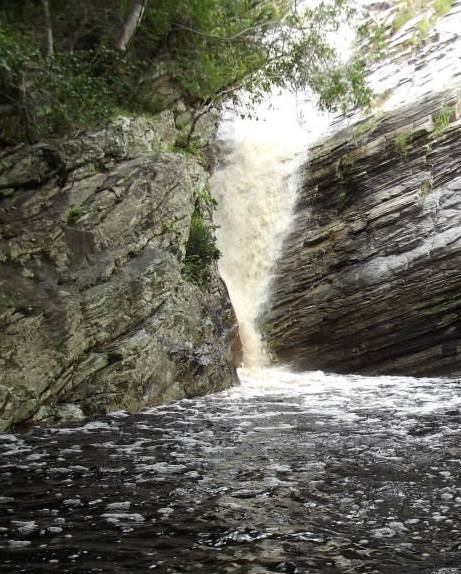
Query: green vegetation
point(347, 160)
point(422, 30)
point(380, 99)
point(442, 7)
point(375, 36)
point(379, 41)
point(401, 141)
point(344, 176)
point(426, 187)
point(191, 146)
point(408, 9)
point(205, 200)
point(366, 128)
point(442, 119)
point(424, 27)
point(68, 65)
point(201, 250)
point(170, 227)
point(73, 214)
point(41, 97)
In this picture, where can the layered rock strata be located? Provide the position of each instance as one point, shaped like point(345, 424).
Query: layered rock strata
point(370, 277)
point(94, 309)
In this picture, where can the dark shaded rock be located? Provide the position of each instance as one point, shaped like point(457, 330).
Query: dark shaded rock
point(370, 278)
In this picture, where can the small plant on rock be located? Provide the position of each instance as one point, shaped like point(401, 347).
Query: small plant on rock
point(424, 27)
point(348, 160)
point(408, 9)
point(375, 37)
point(201, 251)
point(366, 128)
point(442, 7)
point(206, 200)
point(73, 214)
point(401, 141)
point(443, 119)
point(425, 188)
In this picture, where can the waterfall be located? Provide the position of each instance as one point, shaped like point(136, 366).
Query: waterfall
point(256, 191)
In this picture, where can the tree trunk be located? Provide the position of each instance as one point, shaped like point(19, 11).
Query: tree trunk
point(49, 29)
point(131, 23)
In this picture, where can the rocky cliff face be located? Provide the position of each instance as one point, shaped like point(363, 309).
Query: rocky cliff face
point(370, 278)
point(94, 309)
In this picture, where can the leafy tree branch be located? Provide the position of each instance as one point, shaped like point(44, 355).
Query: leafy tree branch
point(90, 60)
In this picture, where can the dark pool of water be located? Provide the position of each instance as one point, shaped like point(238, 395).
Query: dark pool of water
point(296, 474)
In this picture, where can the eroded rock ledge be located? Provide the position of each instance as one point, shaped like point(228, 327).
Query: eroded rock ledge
point(94, 309)
point(370, 278)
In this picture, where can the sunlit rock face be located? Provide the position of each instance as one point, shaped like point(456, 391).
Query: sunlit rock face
point(420, 57)
point(94, 309)
point(370, 278)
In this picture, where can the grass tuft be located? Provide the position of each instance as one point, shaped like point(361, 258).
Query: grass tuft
point(443, 119)
point(442, 7)
point(401, 141)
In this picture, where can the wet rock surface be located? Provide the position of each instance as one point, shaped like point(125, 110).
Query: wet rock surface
point(369, 278)
point(289, 473)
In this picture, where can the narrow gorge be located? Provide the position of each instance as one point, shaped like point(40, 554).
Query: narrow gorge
point(230, 341)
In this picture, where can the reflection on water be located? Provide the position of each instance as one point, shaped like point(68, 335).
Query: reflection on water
point(289, 473)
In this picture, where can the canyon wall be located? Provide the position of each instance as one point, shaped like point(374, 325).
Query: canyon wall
point(95, 311)
point(370, 277)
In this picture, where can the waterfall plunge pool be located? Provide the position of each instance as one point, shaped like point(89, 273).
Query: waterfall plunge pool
point(296, 473)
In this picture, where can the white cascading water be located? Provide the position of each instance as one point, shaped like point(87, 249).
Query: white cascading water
point(256, 186)
point(256, 192)
point(256, 189)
